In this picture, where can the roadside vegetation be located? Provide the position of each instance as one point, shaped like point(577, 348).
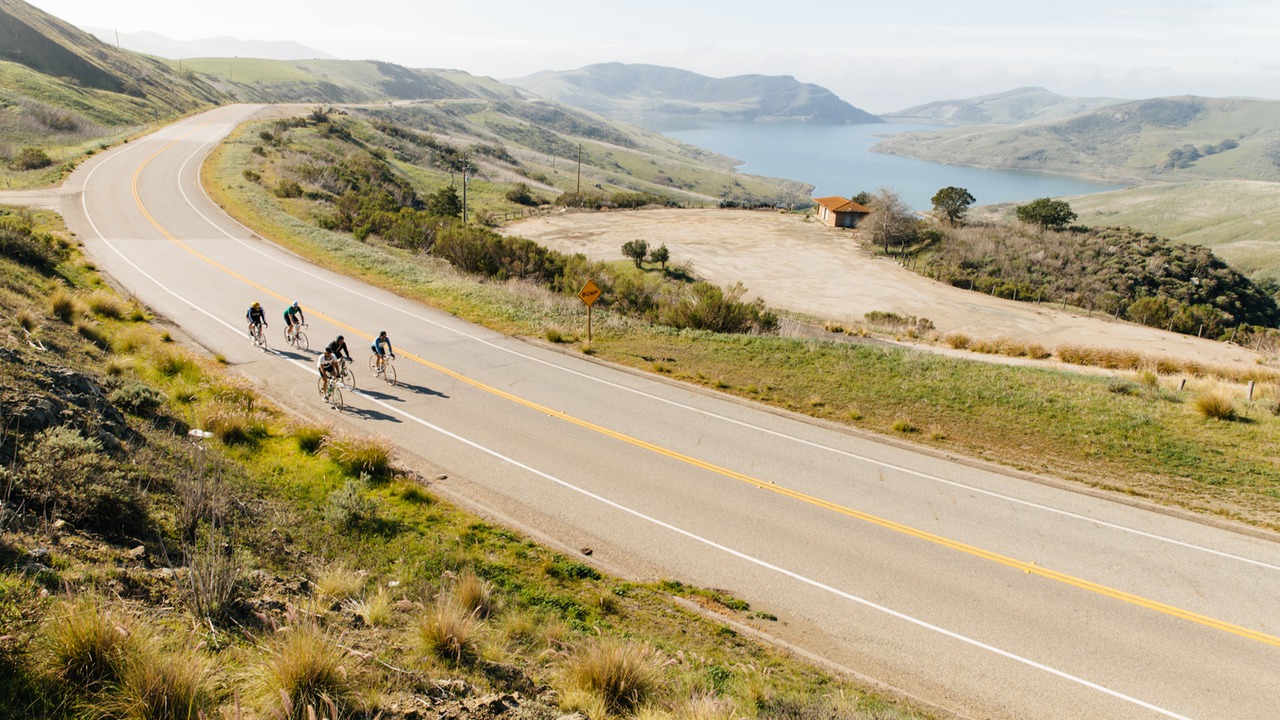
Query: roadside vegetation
point(280, 568)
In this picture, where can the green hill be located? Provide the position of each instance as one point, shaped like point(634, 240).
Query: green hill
point(1012, 107)
point(326, 81)
point(66, 93)
point(1176, 139)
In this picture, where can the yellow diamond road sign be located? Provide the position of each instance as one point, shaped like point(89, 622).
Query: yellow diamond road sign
point(589, 294)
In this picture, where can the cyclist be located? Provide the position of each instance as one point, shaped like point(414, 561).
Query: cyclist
point(378, 344)
point(293, 319)
point(339, 347)
point(327, 365)
point(256, 316)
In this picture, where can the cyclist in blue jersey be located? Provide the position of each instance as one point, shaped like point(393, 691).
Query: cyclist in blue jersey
point(382, 348)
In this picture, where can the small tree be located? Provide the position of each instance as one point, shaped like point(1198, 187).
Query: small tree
point(445, 202)
point(891, 220)
point(636, 250)
point(1047, 213)
point(953, 202)
point(660, 255)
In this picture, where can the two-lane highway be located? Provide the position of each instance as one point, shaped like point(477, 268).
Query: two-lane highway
point(984, 593)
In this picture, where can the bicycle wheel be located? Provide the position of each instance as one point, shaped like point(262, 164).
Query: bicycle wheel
point(347, 378)
point(300, 341)
point(260, 338)
point(389, 373)
point(335, 398)
point(373, 364)
point(320, 386)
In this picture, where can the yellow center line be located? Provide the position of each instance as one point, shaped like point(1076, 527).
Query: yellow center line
point(1025, 566)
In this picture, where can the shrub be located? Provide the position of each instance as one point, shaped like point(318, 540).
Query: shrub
point(904, 426)
point(304, 671)
point(1121, 386)
point(66, 476)
point(958, 341)
point(447, 631)
point(172, 363)
point(32, 158)
point(213, 576)
point(1214, 403)
point(252, 175)
point(287, 188)
point(621, 675)
point(348, 508)
point(137, 398)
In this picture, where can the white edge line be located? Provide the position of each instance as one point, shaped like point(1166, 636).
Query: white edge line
point(706, 413)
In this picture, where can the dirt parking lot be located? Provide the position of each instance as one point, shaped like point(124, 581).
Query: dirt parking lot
point(802, 265)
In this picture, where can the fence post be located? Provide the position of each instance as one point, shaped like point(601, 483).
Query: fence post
point(1250, 391)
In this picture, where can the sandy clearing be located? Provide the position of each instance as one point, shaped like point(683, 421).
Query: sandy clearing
point(810, 268)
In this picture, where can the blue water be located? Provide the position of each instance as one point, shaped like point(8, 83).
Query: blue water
point(836, 160)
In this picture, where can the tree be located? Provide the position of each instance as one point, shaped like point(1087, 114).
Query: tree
point(445, 202)
point(1047, 213)
point(660, 255)
point(892, 222)
point(953, 202)
point(636, 250)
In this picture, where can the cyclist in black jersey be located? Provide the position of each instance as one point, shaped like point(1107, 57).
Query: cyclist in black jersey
point(339, 347)
point(256, 317)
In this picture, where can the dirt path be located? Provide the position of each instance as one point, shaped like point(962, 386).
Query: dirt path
point(814, 269)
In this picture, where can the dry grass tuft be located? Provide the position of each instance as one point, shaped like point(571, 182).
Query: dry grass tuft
point(360, 453)
point(446, 631)
point(474, 595)
point(957, 341)
point(161, 685)
point(87, 645)
point(310, 438)
point(621, 675)
point(107, 305)
point(339, 583)
point(64, 305)
point(1214, 403)
point(376, 609)
point(303, 672)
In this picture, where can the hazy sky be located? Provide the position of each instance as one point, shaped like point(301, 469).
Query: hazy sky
point(880, 57)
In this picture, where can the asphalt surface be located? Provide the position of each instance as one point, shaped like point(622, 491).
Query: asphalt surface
point(985, 594)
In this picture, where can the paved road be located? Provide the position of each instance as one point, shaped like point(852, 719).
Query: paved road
point(985, 594)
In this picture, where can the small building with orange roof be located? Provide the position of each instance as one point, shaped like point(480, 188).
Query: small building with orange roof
point(841, 212)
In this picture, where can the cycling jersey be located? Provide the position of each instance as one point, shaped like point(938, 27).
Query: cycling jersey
point(293, 315)
point(378, 342)
point(339, 348)
point(256, 315)
point(327, 365)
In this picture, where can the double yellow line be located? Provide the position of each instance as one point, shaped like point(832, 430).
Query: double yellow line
point(1024, 566)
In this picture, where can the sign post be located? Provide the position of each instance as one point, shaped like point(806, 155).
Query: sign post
point(588, 295)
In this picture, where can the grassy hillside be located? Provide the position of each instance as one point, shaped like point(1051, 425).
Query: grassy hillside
point(1143, 140)
point(320, 81)
point(64, 93)
point(1007, 108)
point(280, 568)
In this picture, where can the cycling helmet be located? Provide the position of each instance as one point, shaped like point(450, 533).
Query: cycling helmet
point(255, 304)
point(339, 337)
point(295, 303)
point(381, 333)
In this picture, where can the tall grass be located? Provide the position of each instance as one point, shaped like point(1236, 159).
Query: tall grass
point(447, 631)
point(360, 453)
point(1214, 403)
point(474, 595)
point(621, 675)
point(165, 685)
point(88, 646)
point(304, 670)
point(338, 582)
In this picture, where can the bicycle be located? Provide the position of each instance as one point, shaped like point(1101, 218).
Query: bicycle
point(330, 391)
point(257, 335)
point(387, 369)
point(294, 336)
point(345, 376)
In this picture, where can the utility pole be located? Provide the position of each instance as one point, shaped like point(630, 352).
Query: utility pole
point(465, 168)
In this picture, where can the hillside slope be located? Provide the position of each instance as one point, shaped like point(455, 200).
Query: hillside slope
point(1174, 139)
point(629, 91)
point(1028, 104)
point(65, 93)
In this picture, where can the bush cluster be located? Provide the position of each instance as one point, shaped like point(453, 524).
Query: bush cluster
point(1120, 271)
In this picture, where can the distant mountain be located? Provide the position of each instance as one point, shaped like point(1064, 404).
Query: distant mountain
point(1167, 139)
point(1028, 104)
point(629, 92)
point(149, 43)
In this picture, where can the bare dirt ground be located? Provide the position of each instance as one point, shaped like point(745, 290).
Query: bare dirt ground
point(799, 264)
